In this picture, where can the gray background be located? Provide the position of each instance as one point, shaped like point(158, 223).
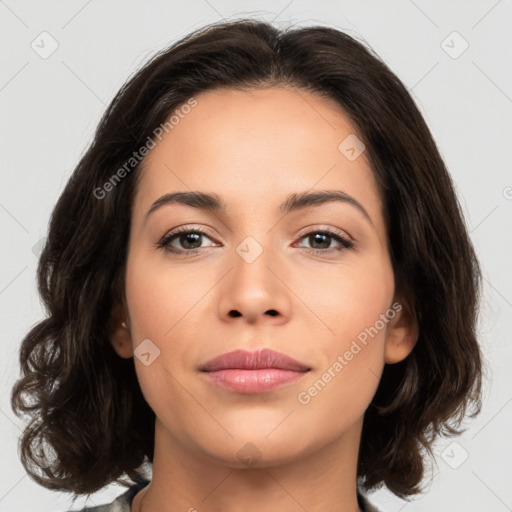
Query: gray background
point(50, 107)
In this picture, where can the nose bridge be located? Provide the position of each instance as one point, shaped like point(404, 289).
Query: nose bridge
point(251, 261)
point(256, 250)
point(253, 288)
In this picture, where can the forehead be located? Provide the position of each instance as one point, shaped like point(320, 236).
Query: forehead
point(256, 146)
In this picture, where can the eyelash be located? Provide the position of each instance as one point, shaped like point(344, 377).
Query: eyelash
point(163, 244)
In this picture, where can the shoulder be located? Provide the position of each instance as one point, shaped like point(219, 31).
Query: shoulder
point(122, 503)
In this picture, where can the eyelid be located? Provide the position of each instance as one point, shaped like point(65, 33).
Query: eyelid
point(305, 231)
point(205, 230)
point(329, 229)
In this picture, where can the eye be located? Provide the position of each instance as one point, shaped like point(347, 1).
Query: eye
point(189, 239)
point(323, 239)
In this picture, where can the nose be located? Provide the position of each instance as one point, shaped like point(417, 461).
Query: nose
point(256, 290)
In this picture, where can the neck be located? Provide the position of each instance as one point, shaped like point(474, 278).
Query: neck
point(187, 479)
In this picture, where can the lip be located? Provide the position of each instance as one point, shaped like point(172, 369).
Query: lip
point(250, 372)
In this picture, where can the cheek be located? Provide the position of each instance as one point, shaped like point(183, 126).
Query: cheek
point(161, 305)
point(343, 385)
point(355, 308)
point(156, 314)
point(350, 298)
point(159, 298)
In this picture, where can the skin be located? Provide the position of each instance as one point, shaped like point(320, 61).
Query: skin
point(254, 148)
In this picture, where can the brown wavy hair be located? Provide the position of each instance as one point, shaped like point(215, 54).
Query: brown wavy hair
point(84, 401)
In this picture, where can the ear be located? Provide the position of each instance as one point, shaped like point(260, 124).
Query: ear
point(120, 335)
point(402, 333)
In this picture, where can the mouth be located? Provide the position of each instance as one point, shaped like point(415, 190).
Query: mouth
point(251, 372)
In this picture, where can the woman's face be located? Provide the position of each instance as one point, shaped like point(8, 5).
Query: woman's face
point(262, 276)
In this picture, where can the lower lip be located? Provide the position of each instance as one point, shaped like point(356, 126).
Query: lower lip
point(253, 381)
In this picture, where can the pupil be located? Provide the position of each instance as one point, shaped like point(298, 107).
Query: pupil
point(186, 244)
point(319, 237)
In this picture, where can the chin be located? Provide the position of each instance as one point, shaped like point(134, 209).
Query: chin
point(257, 450)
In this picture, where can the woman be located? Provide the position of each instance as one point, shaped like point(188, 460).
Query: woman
point(258, 281)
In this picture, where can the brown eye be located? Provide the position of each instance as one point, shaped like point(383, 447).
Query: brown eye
point(321, 241)
point(183, 241)
point(188, 240)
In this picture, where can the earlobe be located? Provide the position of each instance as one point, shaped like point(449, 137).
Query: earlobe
point(401, 337)
point(120, 335)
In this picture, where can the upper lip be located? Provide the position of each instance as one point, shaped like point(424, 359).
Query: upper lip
point(253, 360)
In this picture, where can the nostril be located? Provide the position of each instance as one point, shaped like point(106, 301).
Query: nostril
point(234, 313)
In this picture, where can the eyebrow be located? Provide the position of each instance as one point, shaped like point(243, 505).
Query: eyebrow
point(213, 203)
